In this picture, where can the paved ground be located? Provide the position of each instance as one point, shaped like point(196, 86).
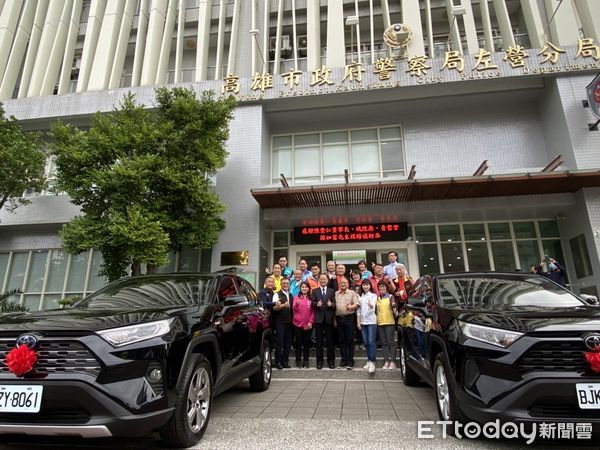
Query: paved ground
point(301, 413)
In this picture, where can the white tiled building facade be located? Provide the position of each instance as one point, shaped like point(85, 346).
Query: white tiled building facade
point(314, 103)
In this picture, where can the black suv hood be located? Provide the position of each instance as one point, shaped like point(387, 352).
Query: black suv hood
point(532, 319)
point(78, 319)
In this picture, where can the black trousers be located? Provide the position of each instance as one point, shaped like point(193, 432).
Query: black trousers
point(283, 342)
point(345, 329)
point(326, 331)
point(302, 344)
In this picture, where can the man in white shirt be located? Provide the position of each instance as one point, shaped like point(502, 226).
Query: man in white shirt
point(390, 269)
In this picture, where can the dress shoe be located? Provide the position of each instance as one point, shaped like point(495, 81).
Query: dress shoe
point(305, 364)
point(331, 365)
point(319, 366)
point(286, 366)
point(298, 364)
point(279, 366)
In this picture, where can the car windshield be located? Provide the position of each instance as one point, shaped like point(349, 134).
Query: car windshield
point(152, 292)
point(492, 293)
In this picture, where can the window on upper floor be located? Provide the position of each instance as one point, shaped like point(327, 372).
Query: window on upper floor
point(367, 153)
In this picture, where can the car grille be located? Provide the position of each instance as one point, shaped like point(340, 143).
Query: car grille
point(561, 411)
point(56, 356)
point(47, 415)
point(554, 356)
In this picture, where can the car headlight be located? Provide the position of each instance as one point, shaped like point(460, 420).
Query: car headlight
point(494, 336)
point(135, 333)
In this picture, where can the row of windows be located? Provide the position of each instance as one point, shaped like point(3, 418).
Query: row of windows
point(44, 277)
point(501, 246)
point(369, 153)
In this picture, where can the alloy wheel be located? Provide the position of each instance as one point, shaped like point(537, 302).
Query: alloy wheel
point(199, 394)
point(267, 365)
point(443, 397)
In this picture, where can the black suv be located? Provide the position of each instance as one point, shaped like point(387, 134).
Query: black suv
point(142, 354)
point(506, 346)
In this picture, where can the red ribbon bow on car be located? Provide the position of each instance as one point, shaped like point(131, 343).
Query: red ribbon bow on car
point(20, 360)
point(593, 359)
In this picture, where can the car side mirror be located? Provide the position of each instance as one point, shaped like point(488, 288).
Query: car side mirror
point(589, 299)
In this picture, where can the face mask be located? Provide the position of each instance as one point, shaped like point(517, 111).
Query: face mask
point(551, 266)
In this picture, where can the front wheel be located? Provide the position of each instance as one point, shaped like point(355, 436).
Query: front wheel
point(261, 380)
point(192, 406)
point(447, 404)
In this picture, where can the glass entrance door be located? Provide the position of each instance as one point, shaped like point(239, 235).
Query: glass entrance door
point(402, 258)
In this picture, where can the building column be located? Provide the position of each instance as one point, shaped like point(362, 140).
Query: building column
point(563, 28)
point(122, 41)
point(589, 14)
point(234, 37)
point(470, 30)
point(454, 32)
point(162, 71)
point(313, 36)
point(533, 22)
point(278, 34)
point(179, 44)
point(487, 25)
point(105, 52)
point(411, 16)
point(58, 51)
point(90, 43)
point(140, 43)
point(336, 43)
point(8, 25)
point(46, 43)
point(508, 38)
point(17, 51)
point(156, 27)
point(64, 79)
point(32, 48)
point(220, 39)
point(204, 14)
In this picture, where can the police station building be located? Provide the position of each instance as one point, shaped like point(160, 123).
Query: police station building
point(455, 132)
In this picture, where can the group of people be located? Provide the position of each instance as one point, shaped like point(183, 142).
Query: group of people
point(334, 305)
point(550, 268)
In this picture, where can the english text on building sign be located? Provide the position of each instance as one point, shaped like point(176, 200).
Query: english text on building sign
point(351, 233)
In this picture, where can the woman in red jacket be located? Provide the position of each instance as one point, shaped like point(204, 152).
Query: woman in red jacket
point(304, 317)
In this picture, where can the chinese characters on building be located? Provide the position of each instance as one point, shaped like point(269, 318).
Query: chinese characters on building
point(351, 233)
point(484, 64)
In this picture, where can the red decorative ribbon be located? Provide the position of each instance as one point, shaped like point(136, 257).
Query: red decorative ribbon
point(20, 360)
point(593, 359)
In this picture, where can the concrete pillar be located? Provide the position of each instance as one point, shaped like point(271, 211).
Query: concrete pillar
point(140, 43)
point(156, 26)
point(234, 37)
point(533, 21)
point(454, 33)
point(313, 36)
point(32, 48)
point(179, 45)
point(563, 28)
point(336, 43)
point(42, 60)
point(17, 52)
point(411, 16)
point(204, 14)
point(90, 43)
point(589, 14)
point(58, 50)
point(508, 38)
point(220, 39)
point(105, 52)
point(67, 62)
point(487, 25)
point(165, 47)
point(266, 35)
point(385, 12)
point(246, 44)
point(8, 25)
point(278, 29)
point(429, 26)
point(470, 30)
point(122, 41)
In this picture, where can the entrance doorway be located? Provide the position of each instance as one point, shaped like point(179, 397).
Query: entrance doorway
point(374, 252)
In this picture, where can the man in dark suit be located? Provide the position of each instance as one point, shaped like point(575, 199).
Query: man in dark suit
point(323, 300)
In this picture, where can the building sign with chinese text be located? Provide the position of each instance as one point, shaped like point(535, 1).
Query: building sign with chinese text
point(336, 234)
point(349, 256)
point(515, 61)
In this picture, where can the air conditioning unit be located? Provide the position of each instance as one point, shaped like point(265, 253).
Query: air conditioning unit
point(302, 45)
point(286, 46)
point(75, 68)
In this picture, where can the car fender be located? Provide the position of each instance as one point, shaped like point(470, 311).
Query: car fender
point(207, 345)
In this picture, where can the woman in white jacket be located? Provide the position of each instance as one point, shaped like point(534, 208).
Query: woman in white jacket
point(367, 323)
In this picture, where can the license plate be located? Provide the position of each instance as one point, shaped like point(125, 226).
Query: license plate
point(588, 395)
point(24, 399)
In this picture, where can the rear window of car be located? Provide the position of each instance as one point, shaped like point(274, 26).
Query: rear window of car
point(491, 293)
point(152, 292)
